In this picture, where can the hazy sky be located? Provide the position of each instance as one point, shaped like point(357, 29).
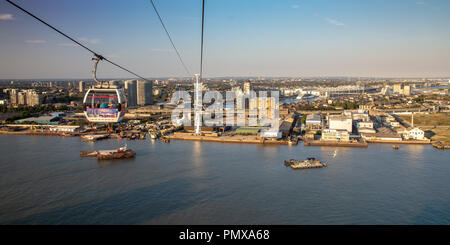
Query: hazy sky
point(242, 38)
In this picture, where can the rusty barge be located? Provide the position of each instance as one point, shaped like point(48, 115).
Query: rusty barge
point(121, 153)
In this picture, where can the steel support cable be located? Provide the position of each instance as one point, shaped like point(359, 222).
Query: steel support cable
point(75, 41)
point(170, 38)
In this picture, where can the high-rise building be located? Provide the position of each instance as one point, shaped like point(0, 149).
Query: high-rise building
point(407, 90)
point(13, 96)
point(82, 86)
point(385, 90)
point(26, 97)
point(131, 88)
point(33, 98)
point(114, 84)
point(126, 84)
point(144, 93)
point(21, 98)
point(237, 90)
point(397, 89)
point(247, 87)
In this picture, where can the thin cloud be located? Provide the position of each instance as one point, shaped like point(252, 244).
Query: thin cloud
point(162, 50)
point(95, 41)
point(6, 17)
point(35, 41)
point(334, 22)
point(90, 40)
point(421, 3)
point(67, 44)
point(113, 56)
point(295, 6)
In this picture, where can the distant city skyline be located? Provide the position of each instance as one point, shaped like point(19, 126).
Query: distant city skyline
point(321, 38)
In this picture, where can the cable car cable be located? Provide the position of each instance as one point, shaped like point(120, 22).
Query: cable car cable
point(75, 41)
point(170, 38)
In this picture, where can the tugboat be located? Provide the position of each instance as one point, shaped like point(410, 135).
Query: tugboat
point(395, 147)
point(310, 162)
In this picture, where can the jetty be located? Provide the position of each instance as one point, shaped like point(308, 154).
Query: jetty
point(335, 143)
point(441, 146)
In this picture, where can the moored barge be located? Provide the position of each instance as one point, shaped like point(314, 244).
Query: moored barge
point(305, 164)
point(121, 153)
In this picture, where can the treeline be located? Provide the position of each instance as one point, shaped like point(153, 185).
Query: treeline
point(33, 109)
point(66, 99)
point(347, 105)
point(314, 108)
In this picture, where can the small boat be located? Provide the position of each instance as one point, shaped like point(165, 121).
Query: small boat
point(94, 137)
point(305, 164)
point(67, 134)
point(395, 147)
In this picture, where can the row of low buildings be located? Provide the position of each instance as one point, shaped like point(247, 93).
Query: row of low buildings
point(350, 126)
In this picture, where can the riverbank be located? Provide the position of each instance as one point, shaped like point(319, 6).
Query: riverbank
point(338, 144)
point(403, 142)
point(30, 132)
point(238, 139)
point(230, 139)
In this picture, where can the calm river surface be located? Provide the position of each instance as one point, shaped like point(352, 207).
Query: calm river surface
point(43, 180)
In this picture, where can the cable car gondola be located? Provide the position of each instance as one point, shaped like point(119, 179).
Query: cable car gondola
point(103, 104)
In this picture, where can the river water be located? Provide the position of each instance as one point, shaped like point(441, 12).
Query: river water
point(43, 180)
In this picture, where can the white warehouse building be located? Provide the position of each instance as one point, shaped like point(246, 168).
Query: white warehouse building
point(341, 123)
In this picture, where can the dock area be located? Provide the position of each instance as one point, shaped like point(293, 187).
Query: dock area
point(30, 132)
point(402, 142)
point(441, 146)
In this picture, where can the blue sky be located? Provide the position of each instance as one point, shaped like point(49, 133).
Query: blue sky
point(242, 38)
